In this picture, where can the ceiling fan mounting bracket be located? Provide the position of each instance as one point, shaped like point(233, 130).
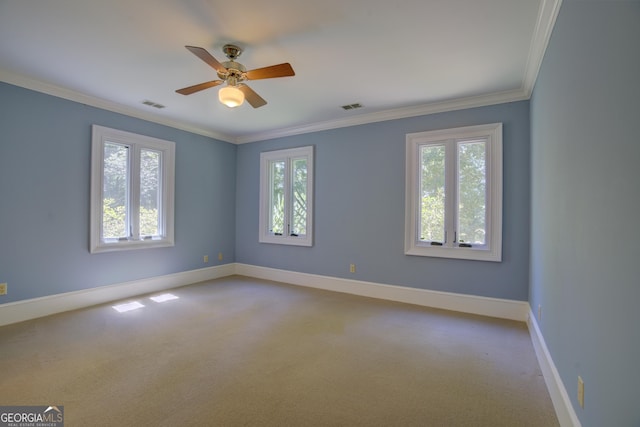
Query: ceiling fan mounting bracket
point(232, 51)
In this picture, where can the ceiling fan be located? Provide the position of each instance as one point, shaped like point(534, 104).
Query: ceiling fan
point(234, 73)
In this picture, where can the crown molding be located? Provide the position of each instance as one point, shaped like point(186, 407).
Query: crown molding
point(398, 113)
point(547, 15)
point(72, 95)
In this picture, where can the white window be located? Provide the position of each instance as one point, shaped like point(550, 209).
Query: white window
point(454, 193)
point(132, 191)
point(286, 196)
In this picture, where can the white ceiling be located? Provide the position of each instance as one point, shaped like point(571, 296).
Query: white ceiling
point(397, 58)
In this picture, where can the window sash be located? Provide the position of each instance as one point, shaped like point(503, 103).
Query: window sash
point(115, 204)
point(432, 193)
point(277, 196)
point(150, 222)
point(469, 225)
point(298, 197)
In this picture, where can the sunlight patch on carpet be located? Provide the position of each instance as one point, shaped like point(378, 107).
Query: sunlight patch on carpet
point(127, 306)
point(163, 297)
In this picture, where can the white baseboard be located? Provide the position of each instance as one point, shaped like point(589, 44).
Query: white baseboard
point(20, 311)
point(493, 307)
point(559, 396)
point(38, 307)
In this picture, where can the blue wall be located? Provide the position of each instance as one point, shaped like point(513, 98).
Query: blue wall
point(586, 206)
point(359, 207)
point(359, 215)
point(45, 145)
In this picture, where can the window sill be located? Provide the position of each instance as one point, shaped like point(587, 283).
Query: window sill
point(474, 254)
point(284, 240)
point(126, 245)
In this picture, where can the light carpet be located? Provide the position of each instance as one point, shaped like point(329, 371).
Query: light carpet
point(247, 352)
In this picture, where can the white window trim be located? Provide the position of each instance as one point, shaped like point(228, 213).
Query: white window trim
point(493, 250)
point(265, 236)
point(102, 135)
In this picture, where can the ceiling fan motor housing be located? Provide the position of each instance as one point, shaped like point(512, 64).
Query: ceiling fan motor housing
point(234, 69)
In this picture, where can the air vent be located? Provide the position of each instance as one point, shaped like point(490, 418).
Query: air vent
point(153, 104)
point(352, 106)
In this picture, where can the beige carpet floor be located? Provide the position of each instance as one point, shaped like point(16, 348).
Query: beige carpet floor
point(246, 352)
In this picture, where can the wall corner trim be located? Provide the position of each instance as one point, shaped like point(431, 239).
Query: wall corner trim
point(559, 396)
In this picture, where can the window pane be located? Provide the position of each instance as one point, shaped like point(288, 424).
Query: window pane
point(276, 198)
point(150, 192)
point(115, 198)
point(472, 195)
point(432, 192)
point(299, 196)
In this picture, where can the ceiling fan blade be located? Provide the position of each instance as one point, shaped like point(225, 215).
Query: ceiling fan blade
point(280, 70)
point(197, 88)
point(206, 57)
point(251, 96)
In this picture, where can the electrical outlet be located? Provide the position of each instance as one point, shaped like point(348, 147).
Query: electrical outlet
point(205, 258)
point(220, 256)
point(580, 391)
point(352, 268)
point(3, 288)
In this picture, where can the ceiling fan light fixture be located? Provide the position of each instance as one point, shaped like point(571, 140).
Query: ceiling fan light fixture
point(231, 96)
